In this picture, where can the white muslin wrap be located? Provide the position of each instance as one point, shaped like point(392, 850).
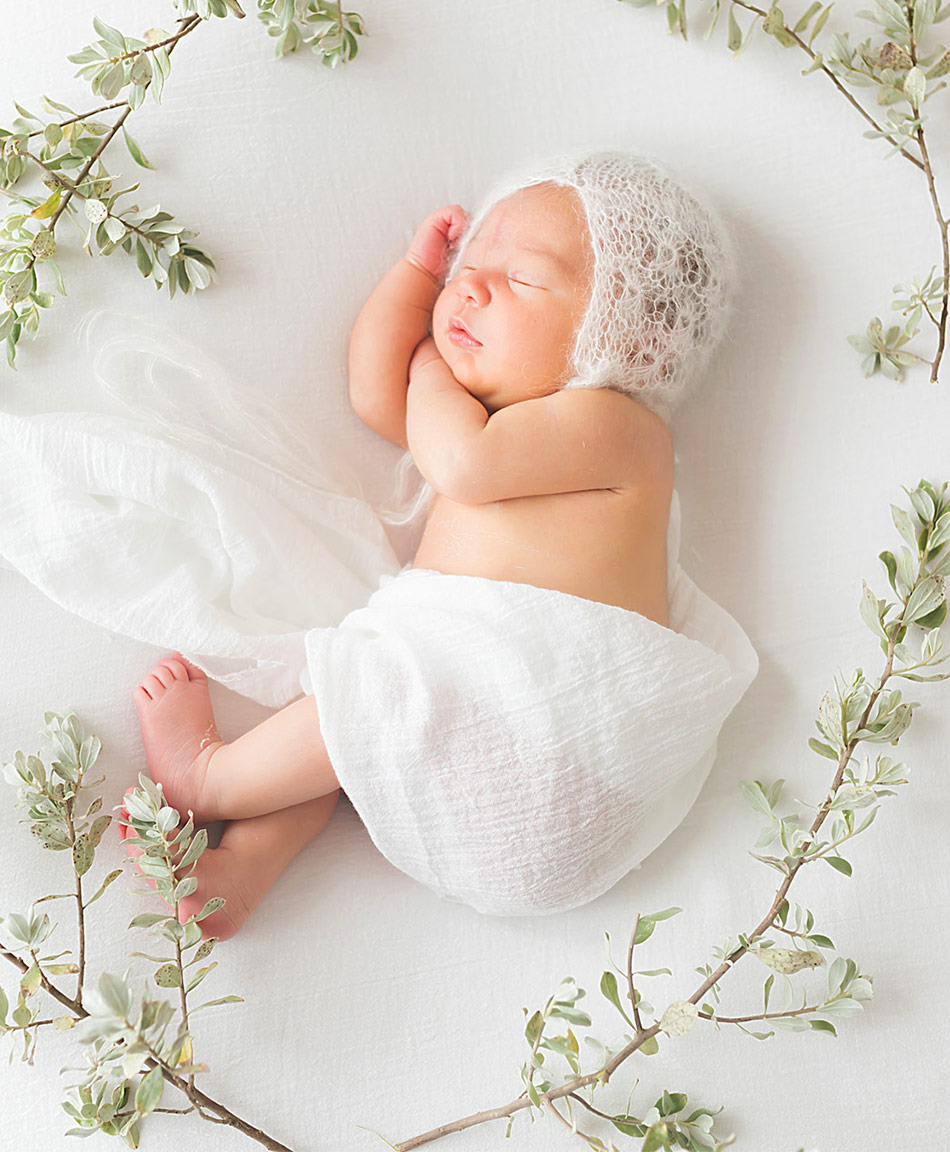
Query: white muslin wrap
point(519, 749)
point(226, 559)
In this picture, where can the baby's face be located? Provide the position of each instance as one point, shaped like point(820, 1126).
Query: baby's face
point(506, 323)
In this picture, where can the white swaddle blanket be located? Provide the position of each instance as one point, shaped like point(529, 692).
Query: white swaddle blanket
point(229, 562)
point(520, 749)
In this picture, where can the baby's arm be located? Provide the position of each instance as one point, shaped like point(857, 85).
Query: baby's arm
point(442, 418)
point(574, 440)
point(393, 321)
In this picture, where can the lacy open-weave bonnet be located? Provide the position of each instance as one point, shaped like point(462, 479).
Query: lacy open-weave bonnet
point(663, 274)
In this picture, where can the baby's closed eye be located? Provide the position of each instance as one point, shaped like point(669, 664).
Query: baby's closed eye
point(524, 281)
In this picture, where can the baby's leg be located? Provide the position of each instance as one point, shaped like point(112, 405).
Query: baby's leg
point(247, 862)
point(280, 763)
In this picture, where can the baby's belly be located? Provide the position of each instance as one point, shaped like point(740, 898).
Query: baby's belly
point(602, 545)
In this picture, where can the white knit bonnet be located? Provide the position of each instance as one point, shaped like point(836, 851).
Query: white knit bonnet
point(663, 274)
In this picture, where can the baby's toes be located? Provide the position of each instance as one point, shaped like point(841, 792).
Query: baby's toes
point(154, 687)
point(193, 671)
point(173, 664)
point(164, 674)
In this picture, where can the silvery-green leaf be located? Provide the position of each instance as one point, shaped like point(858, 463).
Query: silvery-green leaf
point(212, 905)
point(44, 244)
point(166, 820)
point(83, 852)
point(96, 211)
point(115, 229)
point(754, 796)
point(19, 286)
point(52, 837)
point(112, 81)
point(915, 86)
point(147, 919)
point(149, 1092)
point(860, 989)
point(135, 151)
point(171, 930)
point(788, 960)
point(141, 71)
point(871, 611)
point(791, 1024)
point(111, 878)
point(195, 849)
point(906, 571)
point(197, 273)
point(829, 718)
point(679, 1017)
point(202, 972)
point(844, 1007)
point(836, 975)
point(941, 532)
point(115, 995)
point(168, 976)
point(89, 750)
point(99, 825)
point(923, 504)
point(928, 594)
point(185, 888)
point(227, 1000)
point(112, 36)
point(905, 525)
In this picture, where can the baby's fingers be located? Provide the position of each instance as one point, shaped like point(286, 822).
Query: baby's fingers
point(456, 219)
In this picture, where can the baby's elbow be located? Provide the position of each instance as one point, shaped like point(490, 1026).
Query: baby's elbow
point(449, 469)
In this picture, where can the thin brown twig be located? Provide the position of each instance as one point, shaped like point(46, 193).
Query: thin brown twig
point(834, 79)
point(223, 1115)
point(761, 1015)
point(923, 163)
point(81, 116)
point(188, 24)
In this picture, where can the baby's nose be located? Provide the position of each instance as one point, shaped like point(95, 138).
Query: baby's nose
point(473, 287)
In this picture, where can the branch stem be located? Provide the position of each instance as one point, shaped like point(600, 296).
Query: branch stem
point(837, 83)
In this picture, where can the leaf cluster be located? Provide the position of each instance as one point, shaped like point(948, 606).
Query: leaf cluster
point(905, 75)
point(116, 61)
point(124, 69)
point(132, 1045)
point(329, 31)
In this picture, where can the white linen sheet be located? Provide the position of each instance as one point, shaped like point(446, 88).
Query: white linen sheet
point(371, 1005)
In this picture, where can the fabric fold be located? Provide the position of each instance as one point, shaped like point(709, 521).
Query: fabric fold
point(226, 560)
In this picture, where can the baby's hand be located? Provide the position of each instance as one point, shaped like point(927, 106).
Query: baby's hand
point(434, 237)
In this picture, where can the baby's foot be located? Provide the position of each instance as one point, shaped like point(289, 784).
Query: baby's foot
point(178, 732)
point(246, 864)
point(218, 873)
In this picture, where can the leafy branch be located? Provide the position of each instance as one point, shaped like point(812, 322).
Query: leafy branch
point(134, 1045)
point(905, 76)
point(854, 711)
point(76, 141)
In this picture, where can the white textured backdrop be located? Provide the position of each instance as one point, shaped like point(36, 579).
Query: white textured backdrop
point(368, 1001)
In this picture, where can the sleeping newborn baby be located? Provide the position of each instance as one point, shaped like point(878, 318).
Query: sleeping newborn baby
point(530, 706)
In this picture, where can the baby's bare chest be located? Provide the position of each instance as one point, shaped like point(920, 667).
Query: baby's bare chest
point(605, 545)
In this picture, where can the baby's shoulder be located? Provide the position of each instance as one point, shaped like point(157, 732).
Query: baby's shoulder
point(618, 411)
